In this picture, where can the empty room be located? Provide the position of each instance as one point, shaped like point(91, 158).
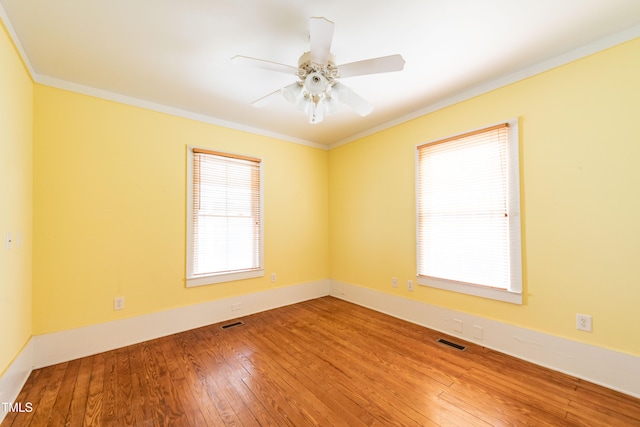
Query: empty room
point(252, 213)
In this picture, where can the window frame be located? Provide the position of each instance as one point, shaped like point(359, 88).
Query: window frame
point(514, 293)
point(209, 279)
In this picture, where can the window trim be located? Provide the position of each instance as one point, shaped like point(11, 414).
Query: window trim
point(209, 279)
point(514, 293)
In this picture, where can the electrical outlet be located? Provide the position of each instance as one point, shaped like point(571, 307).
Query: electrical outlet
point(394, 282)
point(273, 277)
point(457, 325)
point(410, 285)
point(583, 322)
point(118, 303)
point(477, 332)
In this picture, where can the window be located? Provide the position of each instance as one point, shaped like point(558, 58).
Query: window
point(468, 214)
point(224, 217)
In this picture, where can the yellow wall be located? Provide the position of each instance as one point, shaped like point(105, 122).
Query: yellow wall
point(109, 210)
point(580, 166)
point(16, 97)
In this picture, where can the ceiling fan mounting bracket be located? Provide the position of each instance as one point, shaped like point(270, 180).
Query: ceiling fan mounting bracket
point(306, 67)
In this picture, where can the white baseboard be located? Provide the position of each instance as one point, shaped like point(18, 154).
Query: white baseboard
point(71, 344)
point(15, 377)
point(615, 370)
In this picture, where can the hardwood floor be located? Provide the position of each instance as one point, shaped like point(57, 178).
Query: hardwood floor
point(322, 362)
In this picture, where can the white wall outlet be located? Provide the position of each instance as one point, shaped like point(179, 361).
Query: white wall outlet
point(273, 277)
point(410, 285)
point(118, 303)
point(394, 282)
point(8, 240)
point(584, 322)
point(457, 325)
point(477, 332)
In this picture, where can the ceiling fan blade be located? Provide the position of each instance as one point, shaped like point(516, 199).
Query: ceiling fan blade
point(261, 102)
point(348, 97)
point(321, 35)
point(264, 64)
point(384, 64)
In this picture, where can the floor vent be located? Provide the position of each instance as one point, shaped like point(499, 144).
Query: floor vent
point(452, 344)
point(232, 325)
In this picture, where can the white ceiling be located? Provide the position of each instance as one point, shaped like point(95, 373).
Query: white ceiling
point(174, 55)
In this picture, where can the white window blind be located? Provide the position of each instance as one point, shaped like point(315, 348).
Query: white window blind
point(468, 212)
point(226, 216)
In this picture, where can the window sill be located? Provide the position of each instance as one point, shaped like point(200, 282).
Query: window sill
point(223, 277)
point(469, 289)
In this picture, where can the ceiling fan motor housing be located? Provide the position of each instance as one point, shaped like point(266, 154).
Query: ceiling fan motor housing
point(306, 67)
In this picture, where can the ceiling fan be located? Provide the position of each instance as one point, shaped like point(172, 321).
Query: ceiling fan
point(317, 92)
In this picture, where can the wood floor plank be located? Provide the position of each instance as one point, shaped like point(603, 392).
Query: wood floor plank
point(75, 416)
point(274, 357)
point(94, 397)
point(65, 393)
point(236, 372)
point(499, 382)
point(314, 405)
point(323, 362)
point(140, 396)
point(188, 400)
point(228, 378)
point(193, 374)
point(604, 401)
point(220, 392)
point(500, 408)
point(314, 378)
point(328, 378)
point(124, 390)
point(148, 378)
point(598, 414)
point(168, 410)
point(529, 373)
point(503, 405)
point(43, 412)
point(109, 391)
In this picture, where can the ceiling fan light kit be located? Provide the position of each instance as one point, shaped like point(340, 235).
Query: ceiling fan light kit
point(313, 93)
point(317, 92)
